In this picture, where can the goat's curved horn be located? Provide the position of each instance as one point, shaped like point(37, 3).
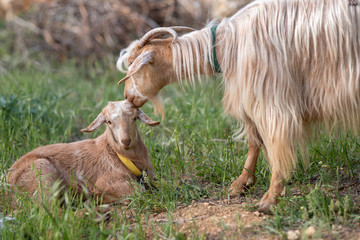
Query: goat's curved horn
point(182, 29)
point(99, 120)
point(143, 59)
point(145, 119)
point(157, 32)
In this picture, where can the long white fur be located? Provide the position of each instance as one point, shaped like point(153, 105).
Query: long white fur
point(122, 62)
point(287, 65)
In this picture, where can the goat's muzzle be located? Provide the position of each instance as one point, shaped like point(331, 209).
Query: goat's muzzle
point(125, 143)
point(137, 102)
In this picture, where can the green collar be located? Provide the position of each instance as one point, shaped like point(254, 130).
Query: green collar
point(215, 65)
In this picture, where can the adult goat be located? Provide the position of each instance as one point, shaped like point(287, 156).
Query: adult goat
point(287, 66)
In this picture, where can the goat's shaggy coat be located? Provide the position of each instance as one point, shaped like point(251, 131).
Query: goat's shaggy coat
point(287, 66)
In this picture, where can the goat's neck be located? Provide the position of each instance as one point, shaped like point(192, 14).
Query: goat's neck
point(104, 142)
point(191, 55)
point(136, 153)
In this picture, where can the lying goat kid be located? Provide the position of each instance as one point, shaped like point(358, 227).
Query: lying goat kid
point(106, 165)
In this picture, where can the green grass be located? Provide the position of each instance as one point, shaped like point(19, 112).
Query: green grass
point(192, 150)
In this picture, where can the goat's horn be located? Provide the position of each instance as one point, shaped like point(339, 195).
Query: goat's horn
point(182, 29)
point(156, 32)
point(145, 119)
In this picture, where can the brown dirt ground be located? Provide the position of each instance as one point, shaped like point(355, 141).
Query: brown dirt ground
point(213, 220)
point(234, 219)
point(229, 219)
point(237, 219)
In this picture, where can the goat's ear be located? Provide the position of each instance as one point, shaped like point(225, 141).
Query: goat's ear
point(145, 119)
point(143, 59)
point(99, 120)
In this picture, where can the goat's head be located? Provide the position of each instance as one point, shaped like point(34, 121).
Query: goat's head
point(149, 63)
point(120, 118)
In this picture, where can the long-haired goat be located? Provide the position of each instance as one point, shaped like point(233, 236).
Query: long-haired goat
point(92, 163)
point(287, 66)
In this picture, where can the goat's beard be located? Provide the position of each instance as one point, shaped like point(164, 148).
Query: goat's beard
point(158, 106)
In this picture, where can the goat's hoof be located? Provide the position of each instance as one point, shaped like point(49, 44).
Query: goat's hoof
point(236, 190)
point(267, 203)
point(240, 186)
point(265, 208)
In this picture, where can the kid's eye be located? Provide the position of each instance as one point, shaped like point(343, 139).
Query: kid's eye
point(109, 122)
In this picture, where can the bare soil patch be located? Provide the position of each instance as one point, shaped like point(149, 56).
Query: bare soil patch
point(214, 220)
point(232, 219)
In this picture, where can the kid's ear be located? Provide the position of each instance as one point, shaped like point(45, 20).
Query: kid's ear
point(145, 119)
point(99, 120)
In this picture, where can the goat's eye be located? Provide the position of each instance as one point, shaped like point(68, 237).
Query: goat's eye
point(135, 118)
point(109, 122)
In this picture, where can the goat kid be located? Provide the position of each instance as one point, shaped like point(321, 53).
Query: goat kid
point(93, 163)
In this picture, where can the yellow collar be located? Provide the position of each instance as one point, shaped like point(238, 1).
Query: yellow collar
point(130, 165)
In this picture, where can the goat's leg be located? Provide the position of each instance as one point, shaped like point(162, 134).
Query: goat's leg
point(247, 177)
point(109, 190)
point(281, 155)
point(36, 178)
point(113, 189)
point(271, 197)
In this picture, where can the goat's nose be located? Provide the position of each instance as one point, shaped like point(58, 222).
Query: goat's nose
point(130, 98)
point(126, 142)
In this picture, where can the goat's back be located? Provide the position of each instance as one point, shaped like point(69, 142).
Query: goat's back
point(300, 56)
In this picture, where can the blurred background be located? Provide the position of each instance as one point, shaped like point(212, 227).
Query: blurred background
point(93, 29)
